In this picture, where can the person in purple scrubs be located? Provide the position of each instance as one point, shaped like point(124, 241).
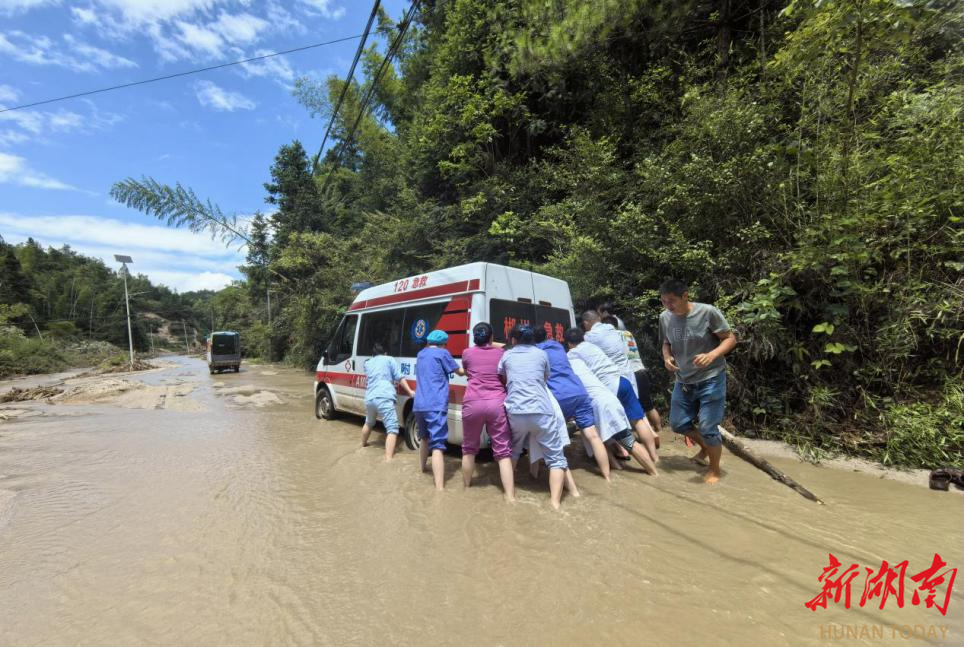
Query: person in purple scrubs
point(484, 406)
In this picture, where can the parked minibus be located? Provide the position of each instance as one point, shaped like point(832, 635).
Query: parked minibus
point(402, 313)
point(224, 351)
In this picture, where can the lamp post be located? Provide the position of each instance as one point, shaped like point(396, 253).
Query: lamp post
point(124, 260)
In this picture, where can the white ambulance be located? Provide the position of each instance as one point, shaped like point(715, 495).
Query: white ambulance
point(401, 314)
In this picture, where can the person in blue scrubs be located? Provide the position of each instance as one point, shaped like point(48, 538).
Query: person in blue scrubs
point(433, 367)
point(383, 374)
point(572, 397)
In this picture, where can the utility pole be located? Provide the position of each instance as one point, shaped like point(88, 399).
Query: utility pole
point(151, 333)
point(186, 346)
point(268, 292)
point(124, 260)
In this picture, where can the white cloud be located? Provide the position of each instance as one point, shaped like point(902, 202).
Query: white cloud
point(325, 9)
point(8, 94)
point(84, 16)
point(12, 137)
point(97, 56)
point(16, 6)
point(190, 281)
point(76, 55)
point(241, 28)
point(276, 68)
point(109, 231)
point(15, 170)
point(174, 257)
point(38, 124)
point(199, 38)
point(137, 13)
point(215, 97)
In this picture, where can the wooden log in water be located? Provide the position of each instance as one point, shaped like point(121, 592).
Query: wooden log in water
point(738, 448)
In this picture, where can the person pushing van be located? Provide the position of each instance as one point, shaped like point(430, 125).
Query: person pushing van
point(382, 375)
point(572, 397)
point(433, 366)
point(526, 371)
point(484, 405)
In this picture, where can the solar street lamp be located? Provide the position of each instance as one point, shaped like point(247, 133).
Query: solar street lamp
point(124, 260)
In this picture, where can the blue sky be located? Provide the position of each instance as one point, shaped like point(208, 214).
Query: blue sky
point(216, 132)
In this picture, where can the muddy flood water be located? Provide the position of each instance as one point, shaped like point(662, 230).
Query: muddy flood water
point(179, 508)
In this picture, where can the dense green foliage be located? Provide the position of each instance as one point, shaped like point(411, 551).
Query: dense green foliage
point(798, 164)
point(58, 308)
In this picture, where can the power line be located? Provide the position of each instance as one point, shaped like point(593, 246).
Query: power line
point(344, 90)
point(392, 50)
point(179, 74)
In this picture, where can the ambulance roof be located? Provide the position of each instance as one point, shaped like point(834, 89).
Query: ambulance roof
point(453, 280)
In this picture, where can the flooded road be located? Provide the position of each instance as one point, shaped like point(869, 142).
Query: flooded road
point(215, 510)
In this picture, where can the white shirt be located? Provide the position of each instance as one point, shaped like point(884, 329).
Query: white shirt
point(610, 415)
point(611, 342)
point(597, 362)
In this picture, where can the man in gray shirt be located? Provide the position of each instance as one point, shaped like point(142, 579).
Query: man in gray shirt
point(696, 337)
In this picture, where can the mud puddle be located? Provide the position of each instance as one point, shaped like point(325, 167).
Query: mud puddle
point(233, 524)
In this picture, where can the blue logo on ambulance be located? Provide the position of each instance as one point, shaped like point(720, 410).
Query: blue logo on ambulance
point(420, 330)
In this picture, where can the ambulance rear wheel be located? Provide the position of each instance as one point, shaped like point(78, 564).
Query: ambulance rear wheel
point(324, 405)
point(412, 441)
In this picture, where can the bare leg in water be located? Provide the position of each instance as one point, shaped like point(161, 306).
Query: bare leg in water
point(423, 454)
point(710, 454)
point(557, 478)
point(645, 434)
point(598, 450)
point(701, 457)
point(642, 457)
point(438, 468)
point(508, 478)
point(391, 440)
point(366, 431)
point(652, 417)
point(570, 484)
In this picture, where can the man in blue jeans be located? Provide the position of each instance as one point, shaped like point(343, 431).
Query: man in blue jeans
point(696, 337)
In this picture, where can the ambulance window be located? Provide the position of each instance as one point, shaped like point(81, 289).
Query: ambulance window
point(418, 323)
point(344, 340)
point(383, 327)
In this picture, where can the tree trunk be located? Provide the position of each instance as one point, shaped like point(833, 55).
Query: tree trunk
point(724, 37)
point(736, 447)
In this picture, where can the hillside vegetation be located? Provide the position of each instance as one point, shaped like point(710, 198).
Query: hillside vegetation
point(799, 164)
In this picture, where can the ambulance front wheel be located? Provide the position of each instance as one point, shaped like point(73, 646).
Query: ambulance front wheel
point(324, 406)
point(412, 441)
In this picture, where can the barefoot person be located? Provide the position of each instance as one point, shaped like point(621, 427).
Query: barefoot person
point(696, 337)
point(606, 338)
point(433, 365)
point(383, 374)
point(526, 371)
point(572, 397)
point(640, 375)
point(611, 420)
point(484, 406)
point(606, 372)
